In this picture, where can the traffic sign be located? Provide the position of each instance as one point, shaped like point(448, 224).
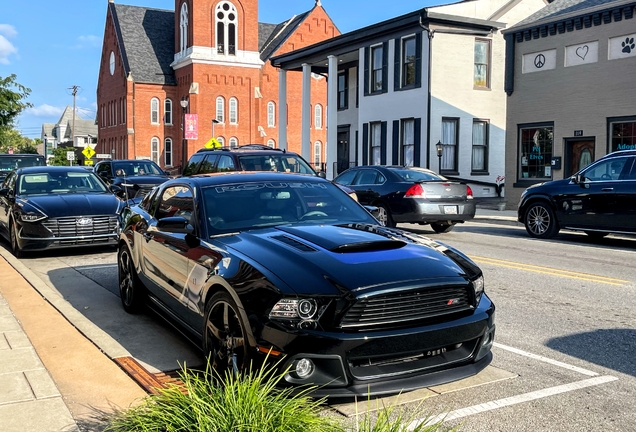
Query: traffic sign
point(103, 156)
point(212, 143)
point(70, 155)
point(88, 152)
point(88, 162)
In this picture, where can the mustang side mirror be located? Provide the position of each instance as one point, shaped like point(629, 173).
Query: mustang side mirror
point(322, 174)
point(175, 224)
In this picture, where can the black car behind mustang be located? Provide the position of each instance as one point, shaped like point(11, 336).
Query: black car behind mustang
point(286, 264)
point(52, 207)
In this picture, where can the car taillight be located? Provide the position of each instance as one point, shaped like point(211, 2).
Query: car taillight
point(469, 192)
point(415, 191)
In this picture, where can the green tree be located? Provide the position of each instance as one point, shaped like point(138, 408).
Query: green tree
point(59, 157)
point(12, 100)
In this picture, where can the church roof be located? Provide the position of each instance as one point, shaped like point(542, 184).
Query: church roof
point(146, 40)
point(67, 115)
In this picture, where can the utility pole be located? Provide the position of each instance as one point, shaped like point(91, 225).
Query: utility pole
point(74, 90)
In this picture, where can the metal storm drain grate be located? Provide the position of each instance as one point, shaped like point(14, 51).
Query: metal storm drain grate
point(147, 380)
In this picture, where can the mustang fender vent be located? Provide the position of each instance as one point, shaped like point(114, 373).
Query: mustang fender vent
point(294, 243)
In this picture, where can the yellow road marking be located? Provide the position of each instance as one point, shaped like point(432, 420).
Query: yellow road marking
point(551, 271)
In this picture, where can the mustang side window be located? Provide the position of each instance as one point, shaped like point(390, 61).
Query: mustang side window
point(176, 201)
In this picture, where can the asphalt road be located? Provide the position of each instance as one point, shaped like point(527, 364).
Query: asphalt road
point(566, 329)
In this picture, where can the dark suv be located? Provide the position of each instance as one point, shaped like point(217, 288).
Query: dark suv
point(251, 157)
point(600, 199)
point(9, 162)
point(135, 177)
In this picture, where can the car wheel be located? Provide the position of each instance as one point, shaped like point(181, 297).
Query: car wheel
point(225, 340)
point(384, 216)
point(13, 237)
point(441, 228)
point(540, 221)
point(131, 290)
point(595, 235)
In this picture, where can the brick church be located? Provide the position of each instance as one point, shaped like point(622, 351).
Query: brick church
point(211, 56)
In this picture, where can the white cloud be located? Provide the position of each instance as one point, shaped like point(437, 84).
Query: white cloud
point(45, 110)
point(8, 30)
point(87, 41)
point(6, 49)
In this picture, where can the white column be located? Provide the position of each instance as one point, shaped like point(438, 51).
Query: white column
point(306, 113)
point(332, 116)
point(282, 109)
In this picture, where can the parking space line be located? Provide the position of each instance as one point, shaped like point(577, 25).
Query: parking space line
point(514, 400)
point(551, 271)
point(546, 360)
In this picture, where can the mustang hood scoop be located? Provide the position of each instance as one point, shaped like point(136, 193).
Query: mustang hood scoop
point(342, 239)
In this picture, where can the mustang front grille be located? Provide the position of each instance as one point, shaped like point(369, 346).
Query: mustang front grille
point(71, 228)
point(397, 308)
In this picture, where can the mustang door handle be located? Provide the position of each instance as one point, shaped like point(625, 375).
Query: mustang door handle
point(607, 189)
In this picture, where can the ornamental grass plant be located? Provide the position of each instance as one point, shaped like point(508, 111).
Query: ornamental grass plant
point(245, 402)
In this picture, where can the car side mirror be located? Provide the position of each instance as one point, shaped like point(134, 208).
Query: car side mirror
point(5, 192)
point(175, 224)
point(375, 211)
point(322, 174)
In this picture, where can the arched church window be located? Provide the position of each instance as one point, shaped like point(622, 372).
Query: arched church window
point(226, 22)
point(183, 39)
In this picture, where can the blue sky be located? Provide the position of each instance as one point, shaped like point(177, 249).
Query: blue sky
point(52, 46)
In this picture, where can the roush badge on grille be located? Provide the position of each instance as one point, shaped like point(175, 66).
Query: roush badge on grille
point(84, 221)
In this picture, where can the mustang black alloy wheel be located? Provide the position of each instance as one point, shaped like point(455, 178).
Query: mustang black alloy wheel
point(540, 221)
point(224, 339)
point(131, 291)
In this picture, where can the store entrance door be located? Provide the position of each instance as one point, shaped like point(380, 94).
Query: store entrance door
point(579, 153)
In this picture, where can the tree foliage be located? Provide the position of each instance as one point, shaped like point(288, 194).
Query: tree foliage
point(11, 139)
point(12, 100)
point(59, 157)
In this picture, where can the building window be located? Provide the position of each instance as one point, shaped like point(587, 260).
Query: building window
point(377, 75)
point(408, 143)
point(408, 62)
point(154, 111)
point(233, 111)
point(168, 152)
point(480, 146)
point(221, 141)
point(317, 154)
point(482, 63)
point(450, 138)
point(376, 143)
point(535, 151)
point(233, 142)
point(271, 114)
point(167, 111)
point(183, 28)
point(622, 133)
point(343, 90)
point(318, 116)
point(271, 143)
point(154, 150)
point(226, 22)
point(220, 109)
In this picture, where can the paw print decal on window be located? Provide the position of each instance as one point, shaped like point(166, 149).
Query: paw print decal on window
point(628, 45)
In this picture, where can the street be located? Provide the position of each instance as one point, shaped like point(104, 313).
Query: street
point(565, 326)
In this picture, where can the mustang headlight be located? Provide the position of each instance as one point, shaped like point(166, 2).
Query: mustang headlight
point(31, 217)
point(478, 286)
point(298, 313)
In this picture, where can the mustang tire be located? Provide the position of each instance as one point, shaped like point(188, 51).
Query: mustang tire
point(441, 228)
point(224, 338)
point(131, 290)
point(540, 221)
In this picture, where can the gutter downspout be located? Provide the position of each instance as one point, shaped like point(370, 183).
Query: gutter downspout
point(428, 109)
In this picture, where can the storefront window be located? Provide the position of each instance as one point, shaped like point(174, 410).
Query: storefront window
point(623, 134)
point(535, 152)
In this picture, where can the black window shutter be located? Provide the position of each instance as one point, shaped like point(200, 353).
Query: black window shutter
point(418, 142)
point(396, 64)
point(365, 144)
point(383, 143)
point(385, 66)
point(367, 61)
point(396, 143)
point(418, 60)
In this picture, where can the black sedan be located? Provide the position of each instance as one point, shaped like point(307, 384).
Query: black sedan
point(600, 199)
point(251, 264)
point(53, 207)
point(411, 195)
point(135, 177)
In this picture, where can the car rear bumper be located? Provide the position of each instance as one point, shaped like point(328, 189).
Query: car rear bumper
point(391, 361)
point(421, 211)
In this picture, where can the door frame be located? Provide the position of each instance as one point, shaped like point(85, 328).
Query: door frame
point(567, 153)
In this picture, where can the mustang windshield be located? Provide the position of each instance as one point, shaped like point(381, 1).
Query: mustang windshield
point(59, 183)
point(244, 206)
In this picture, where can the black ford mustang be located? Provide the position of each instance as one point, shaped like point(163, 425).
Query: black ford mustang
point(286, 264)
point(51, 207)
